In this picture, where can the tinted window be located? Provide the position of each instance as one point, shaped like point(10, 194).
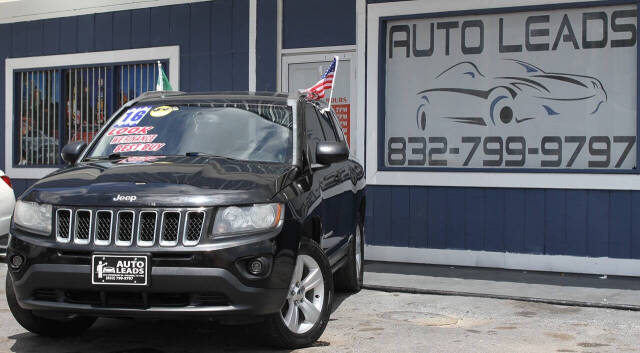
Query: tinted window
point(313, 130)
point(328, 128)
point(336, 124)
point(239, 131)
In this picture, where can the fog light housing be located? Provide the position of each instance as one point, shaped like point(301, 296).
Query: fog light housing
point(16, 261)
point(256, 266)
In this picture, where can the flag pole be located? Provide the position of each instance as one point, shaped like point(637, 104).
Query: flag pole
point(333, 84)
point(158, 85)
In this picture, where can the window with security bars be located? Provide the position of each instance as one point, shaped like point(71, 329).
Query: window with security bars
point(57, 106)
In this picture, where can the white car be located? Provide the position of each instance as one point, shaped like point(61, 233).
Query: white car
point(7, 201)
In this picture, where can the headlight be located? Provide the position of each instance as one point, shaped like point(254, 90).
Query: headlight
point(233, 219)
point(33, 216)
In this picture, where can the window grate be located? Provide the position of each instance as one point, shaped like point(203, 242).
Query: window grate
point(57, 106)
point(38, 117)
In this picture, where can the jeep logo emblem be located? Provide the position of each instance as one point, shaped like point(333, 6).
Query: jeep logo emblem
point(125, 198)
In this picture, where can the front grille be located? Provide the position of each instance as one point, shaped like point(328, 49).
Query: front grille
point(103, 227)
point(194, 223)
point(171, 227)
point(83, 226)
point(147, 228)
point(125, 228)
point(130, 299)
point(47, 295)
point(211, 299)
point(63, 225)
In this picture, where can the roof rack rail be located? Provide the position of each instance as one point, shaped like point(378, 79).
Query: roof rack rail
point(151, 94)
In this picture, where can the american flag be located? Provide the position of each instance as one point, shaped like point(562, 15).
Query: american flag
point(326, 82)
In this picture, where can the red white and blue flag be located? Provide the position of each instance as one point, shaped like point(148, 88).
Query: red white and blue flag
point(326, 82)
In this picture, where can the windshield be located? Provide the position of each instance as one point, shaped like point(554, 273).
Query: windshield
point(240, 131)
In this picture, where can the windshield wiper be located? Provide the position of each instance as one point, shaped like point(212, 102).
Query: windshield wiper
point(112, 156)
point(209, 155)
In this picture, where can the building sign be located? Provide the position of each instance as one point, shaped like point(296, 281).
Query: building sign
point(542, 89)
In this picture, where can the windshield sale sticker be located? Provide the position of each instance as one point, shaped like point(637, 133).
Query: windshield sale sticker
point(136, 130)
point(133, 139)
point(132, 117)
point(541, 89)
point(138, 147)
point(159, 112)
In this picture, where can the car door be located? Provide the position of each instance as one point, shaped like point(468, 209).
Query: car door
point(342, 188)
point(322, 178)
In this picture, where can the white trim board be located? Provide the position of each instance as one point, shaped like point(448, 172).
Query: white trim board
point(170, 53)
point(313, 50)
point(278, 44)
point(253, 8)
point(511, 261)
point(460, 179)
point(30, 10)
point(361, 64)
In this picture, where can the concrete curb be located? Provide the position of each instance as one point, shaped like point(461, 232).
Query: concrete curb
point(500, 296)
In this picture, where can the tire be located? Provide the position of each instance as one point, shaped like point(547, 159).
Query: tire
point(44, 326)
point(302, 331)
point(350, 277)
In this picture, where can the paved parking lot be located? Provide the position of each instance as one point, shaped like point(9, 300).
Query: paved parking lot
point(369, 322)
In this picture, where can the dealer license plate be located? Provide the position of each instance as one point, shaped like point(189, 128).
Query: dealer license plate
point(120, 269)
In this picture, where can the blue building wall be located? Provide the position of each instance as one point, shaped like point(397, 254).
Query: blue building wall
point(592, 223)
point(318, 24)
point(213, 39)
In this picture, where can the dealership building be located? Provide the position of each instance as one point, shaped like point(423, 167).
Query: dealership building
point(497, 133)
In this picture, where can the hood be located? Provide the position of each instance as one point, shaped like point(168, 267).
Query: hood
point(162, 182)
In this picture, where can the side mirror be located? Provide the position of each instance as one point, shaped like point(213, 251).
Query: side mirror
point(71, 151)
point(329, 152)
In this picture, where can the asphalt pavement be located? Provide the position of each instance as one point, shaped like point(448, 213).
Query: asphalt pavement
point(370, 321)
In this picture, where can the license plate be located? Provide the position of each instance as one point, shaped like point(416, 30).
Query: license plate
point(131, 270)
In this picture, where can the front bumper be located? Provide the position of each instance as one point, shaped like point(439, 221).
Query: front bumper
point(174, 292)
point(186, 283)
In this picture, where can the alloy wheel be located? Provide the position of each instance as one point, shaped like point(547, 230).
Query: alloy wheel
point(305, 297)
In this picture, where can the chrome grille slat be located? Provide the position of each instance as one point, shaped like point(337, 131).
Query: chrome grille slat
point(103, 227)
point(63, 225)
point(147, 228)
point(130, 227)
point(170, 228)
point(125, 228)
point(83, 227)
point(193, 227)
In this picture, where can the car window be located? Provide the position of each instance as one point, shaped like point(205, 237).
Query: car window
point(331, 115)
point(313, 130)
point(252, 132)
point(329, 130)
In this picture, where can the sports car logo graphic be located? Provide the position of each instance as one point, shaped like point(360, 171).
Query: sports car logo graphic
point(522, 92)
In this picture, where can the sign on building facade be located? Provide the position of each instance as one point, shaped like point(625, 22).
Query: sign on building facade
point(550, 89)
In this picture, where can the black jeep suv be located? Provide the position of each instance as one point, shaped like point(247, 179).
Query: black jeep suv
point(220, 205)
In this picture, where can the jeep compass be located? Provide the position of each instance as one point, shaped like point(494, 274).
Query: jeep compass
point(230, 206)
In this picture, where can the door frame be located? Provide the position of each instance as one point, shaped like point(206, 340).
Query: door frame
point(318, 54)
